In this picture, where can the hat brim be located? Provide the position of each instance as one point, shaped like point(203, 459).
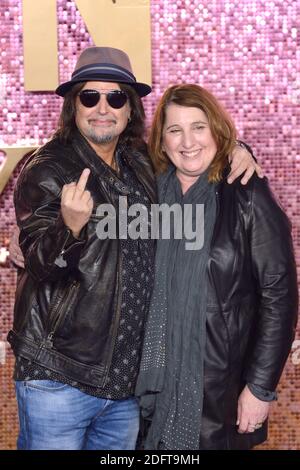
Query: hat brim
point(142, 89)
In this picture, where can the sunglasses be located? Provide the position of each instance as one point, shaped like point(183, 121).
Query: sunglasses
point(116, 98)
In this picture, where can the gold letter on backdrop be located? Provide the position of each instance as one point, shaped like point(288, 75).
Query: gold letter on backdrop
point(40, 45)
point(124, 24)
point(12, 156)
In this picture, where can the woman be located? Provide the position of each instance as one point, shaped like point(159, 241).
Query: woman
point(223, 317)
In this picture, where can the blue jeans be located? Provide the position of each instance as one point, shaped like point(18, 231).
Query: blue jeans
point(56, 416)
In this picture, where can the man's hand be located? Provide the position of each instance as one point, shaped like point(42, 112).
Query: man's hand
point(242, 161)
point(14, 249)
point(76, 204)
point(251, 412)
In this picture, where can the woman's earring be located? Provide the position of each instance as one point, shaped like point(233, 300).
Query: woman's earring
point(129, 119)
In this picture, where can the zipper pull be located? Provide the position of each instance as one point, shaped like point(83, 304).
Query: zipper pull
point(49, 340)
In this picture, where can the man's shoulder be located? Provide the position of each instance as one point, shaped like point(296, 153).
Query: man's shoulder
point(49, 162)
point(139, 152)
point(53, 153)
point(54, 148)
point(139, 158)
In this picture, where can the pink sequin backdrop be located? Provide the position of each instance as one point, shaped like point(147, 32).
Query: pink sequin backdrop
point(246, 52)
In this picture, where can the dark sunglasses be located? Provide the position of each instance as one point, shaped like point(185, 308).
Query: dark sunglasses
point(116, 98)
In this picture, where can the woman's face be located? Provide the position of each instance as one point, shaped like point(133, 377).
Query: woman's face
point(187, 140)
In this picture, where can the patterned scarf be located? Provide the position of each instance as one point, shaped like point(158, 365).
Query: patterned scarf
point(170, 383)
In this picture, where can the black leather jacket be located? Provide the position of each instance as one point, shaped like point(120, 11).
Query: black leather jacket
point(68, 297)
point(252, 307)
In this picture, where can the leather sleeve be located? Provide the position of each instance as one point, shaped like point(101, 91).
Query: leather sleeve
point(244, 145)
point(261, 393)
point(274, 269)
point(49, 248)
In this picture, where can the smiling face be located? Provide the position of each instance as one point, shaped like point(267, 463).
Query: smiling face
point(101, 125)
point(188, 141)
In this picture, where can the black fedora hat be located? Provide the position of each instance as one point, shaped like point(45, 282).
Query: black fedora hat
point(105, 64)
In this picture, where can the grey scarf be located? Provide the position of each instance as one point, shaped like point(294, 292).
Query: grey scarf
point(170, 383)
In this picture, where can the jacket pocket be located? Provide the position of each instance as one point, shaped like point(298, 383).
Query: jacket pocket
point(239, 322)
point(62, 308)
point(217, 349)
point(45, 385)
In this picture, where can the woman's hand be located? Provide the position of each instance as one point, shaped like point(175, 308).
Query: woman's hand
point(242, 161)
point(14, 249)
point(251, 412)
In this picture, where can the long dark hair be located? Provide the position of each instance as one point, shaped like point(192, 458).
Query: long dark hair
point(133, 135)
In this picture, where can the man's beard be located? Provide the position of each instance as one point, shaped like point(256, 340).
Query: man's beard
point(100, 139)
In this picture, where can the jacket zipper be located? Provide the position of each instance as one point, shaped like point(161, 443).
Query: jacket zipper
point(62, 309)
point(63, 249)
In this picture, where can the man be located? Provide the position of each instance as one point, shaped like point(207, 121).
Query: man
point(82, 299)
